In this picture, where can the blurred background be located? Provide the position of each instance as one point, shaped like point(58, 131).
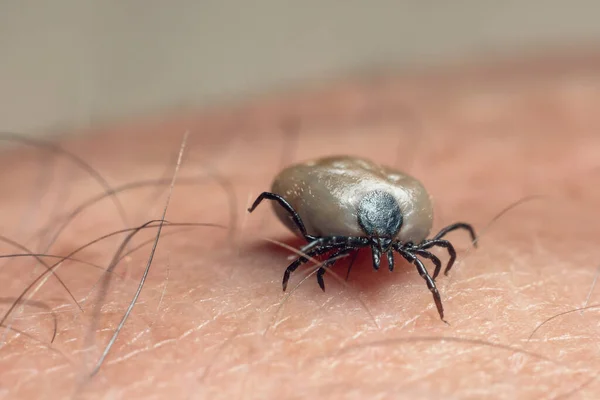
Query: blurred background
point(68, 64)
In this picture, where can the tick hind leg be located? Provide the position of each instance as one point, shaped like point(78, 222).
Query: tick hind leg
point(287, 207)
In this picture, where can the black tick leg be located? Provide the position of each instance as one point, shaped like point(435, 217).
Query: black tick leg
point(328, 264)
point(436, 261)
point(459, 225)
point(298, 262)
point(430, 283)
point(283, 203)
point(445, 244)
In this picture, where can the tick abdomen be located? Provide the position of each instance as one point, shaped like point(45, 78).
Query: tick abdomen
point(327, 194)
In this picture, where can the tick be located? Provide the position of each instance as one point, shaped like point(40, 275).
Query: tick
point(342, 204)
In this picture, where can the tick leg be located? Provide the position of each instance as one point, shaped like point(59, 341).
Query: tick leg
point(336, 241)
point(351, 264)
point(328, 264)
point(298, 262)
point(430, 283)
point(453, 227)
point(314, 243)
point(283, 203)
point(445, 244)
point(436, 261)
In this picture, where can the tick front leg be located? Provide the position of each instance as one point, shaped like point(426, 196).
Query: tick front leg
point(445, 244)
point(430, 282)
point(436, 261)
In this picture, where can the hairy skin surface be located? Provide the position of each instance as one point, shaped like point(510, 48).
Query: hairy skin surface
point(203, 326)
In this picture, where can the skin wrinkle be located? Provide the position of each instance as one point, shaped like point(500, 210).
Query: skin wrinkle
point(531, 136)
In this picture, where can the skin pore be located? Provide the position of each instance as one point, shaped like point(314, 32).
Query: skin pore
point(210, 322)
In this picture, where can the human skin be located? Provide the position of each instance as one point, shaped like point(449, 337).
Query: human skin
point(211, 321)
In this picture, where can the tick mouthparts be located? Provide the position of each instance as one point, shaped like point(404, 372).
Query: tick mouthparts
point(383, 244)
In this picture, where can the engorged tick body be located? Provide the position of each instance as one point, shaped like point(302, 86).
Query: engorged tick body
point(342, 204)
